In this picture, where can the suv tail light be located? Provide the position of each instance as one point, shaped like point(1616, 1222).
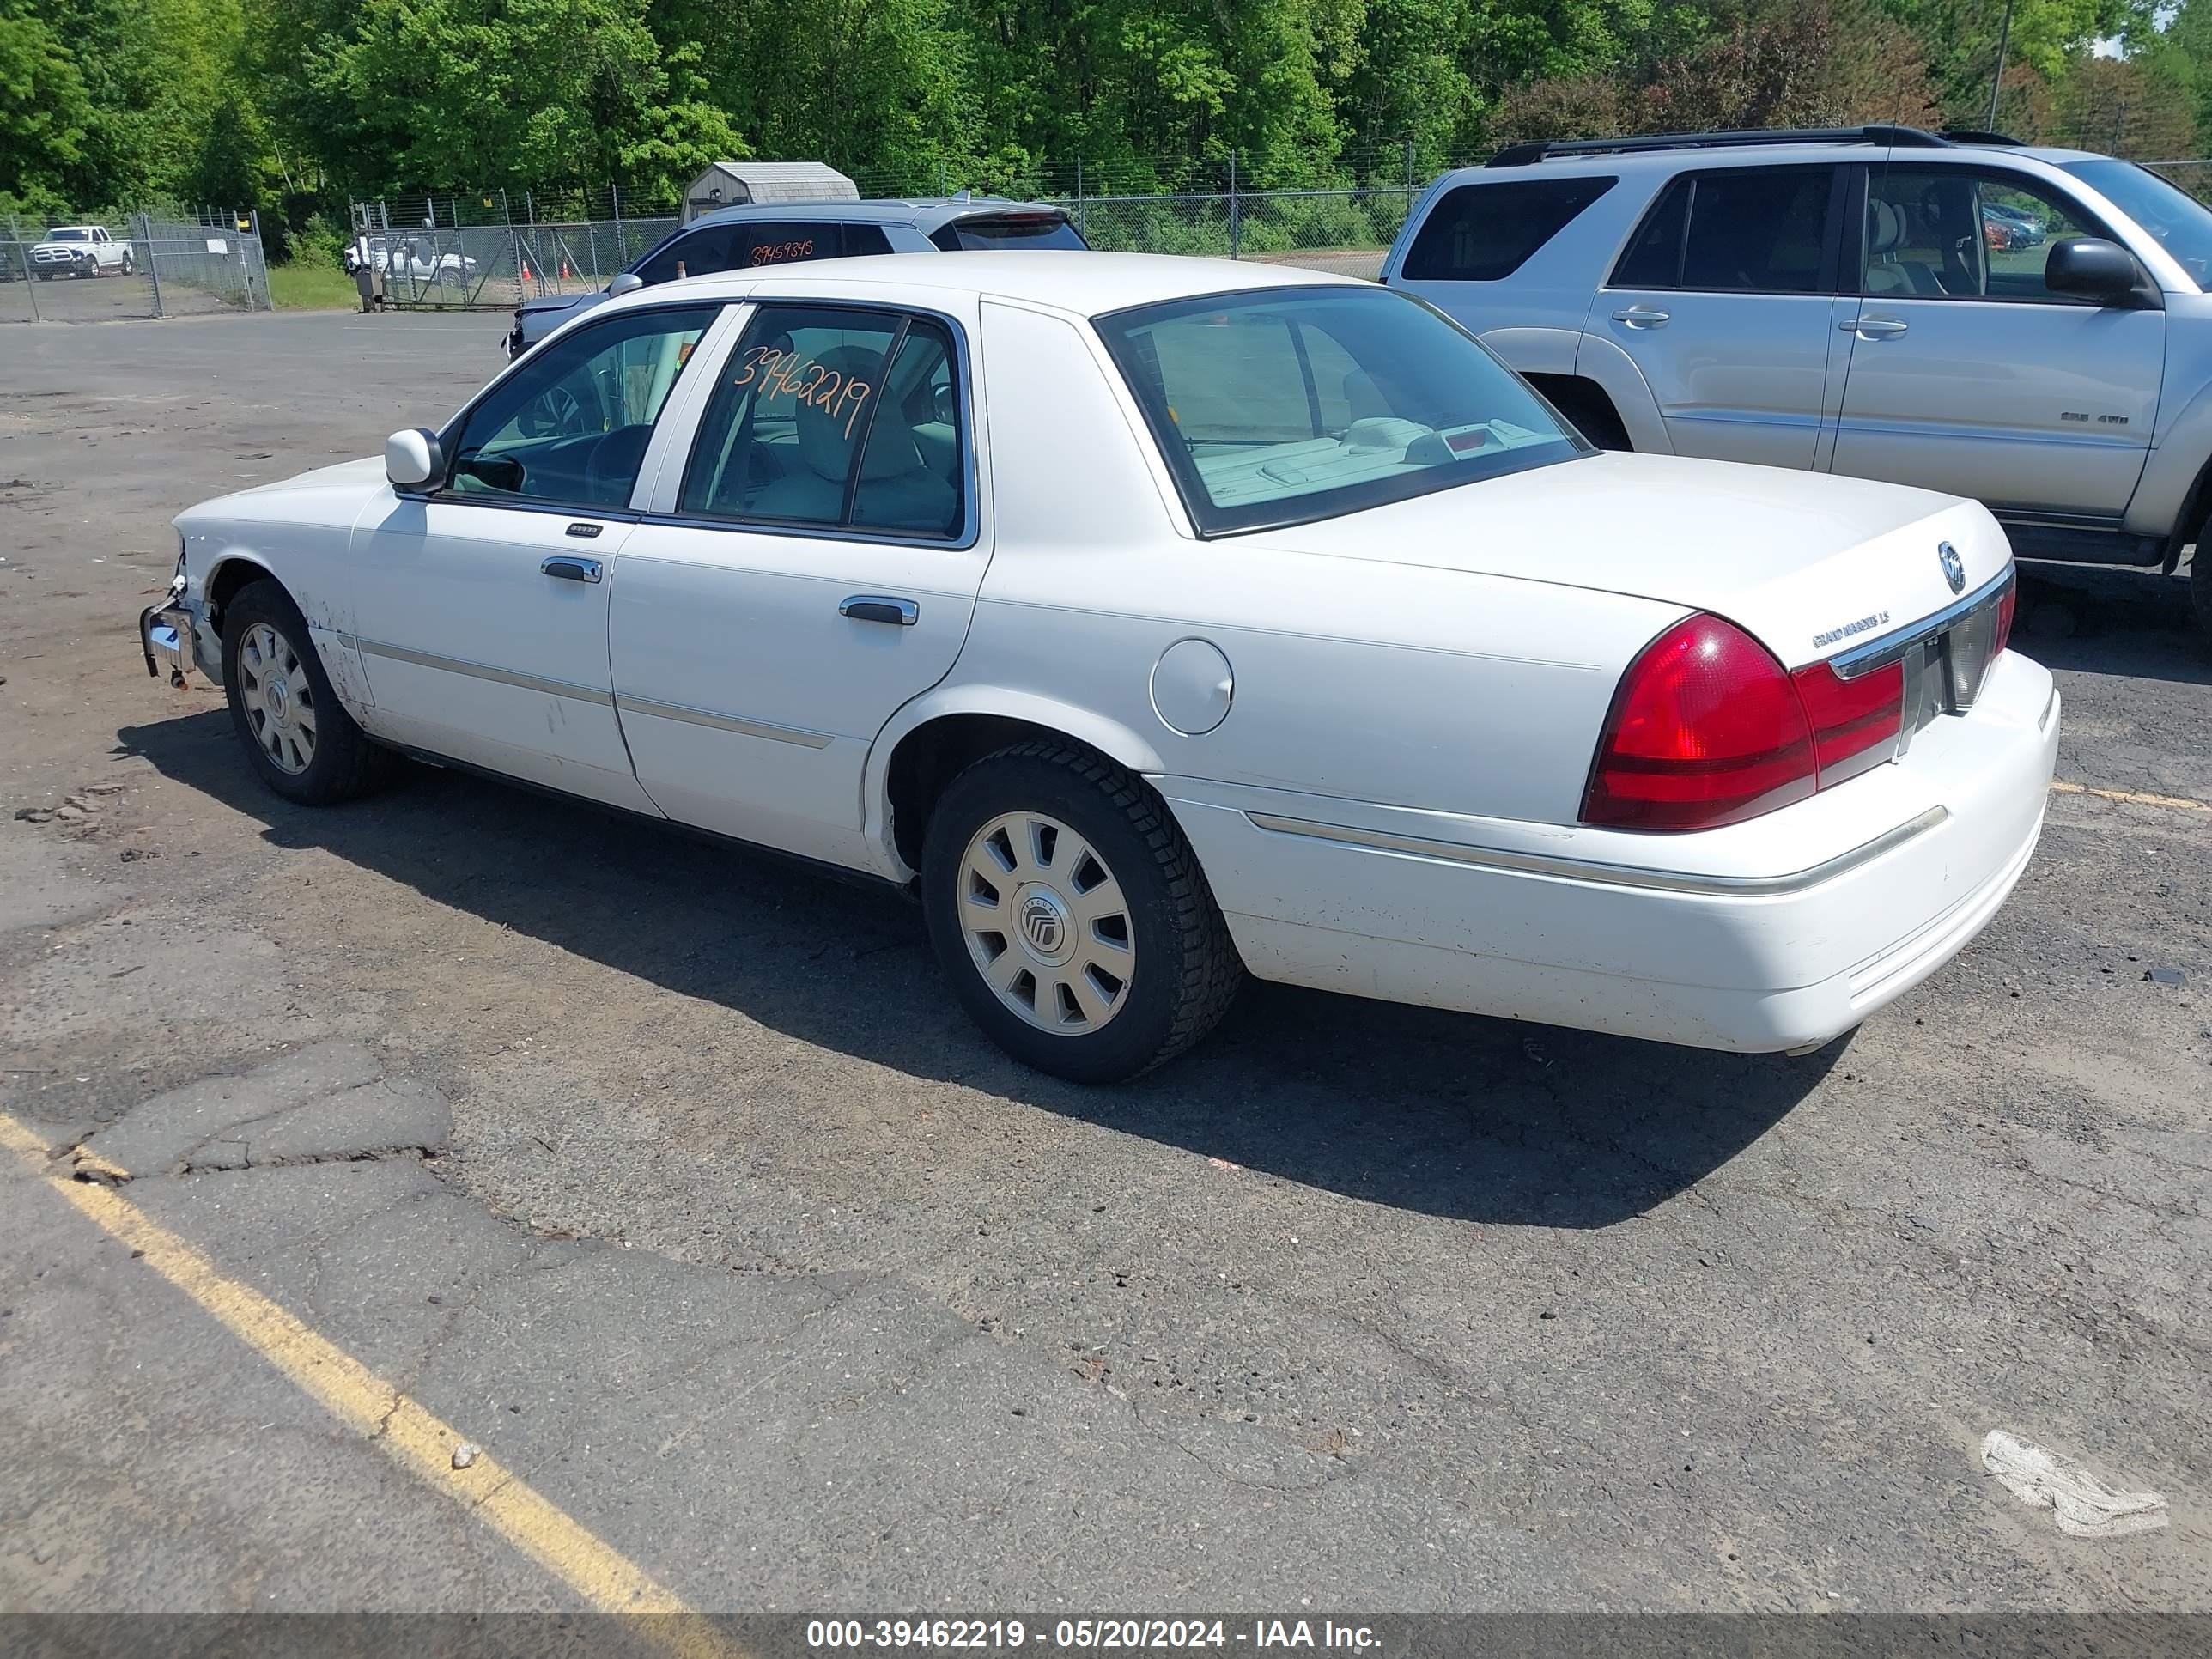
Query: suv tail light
point(2005, 604)
point(1707, 729)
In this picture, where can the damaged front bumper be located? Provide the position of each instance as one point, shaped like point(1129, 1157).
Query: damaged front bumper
point(168, 636)
point(165, 635)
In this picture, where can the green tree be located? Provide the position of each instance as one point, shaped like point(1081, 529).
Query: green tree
point(45, 115)
point(506, 93)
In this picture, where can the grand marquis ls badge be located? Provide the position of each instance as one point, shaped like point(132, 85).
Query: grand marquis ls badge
point(1954, 568)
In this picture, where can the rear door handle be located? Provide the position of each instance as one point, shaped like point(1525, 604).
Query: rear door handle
point(567, 567)
point(1874, 328)
point(881, 608)
point(1643, 317)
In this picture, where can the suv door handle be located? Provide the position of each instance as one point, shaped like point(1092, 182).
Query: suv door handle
point(1874, 328)
point(567, 567)
point(881, 608)
point(1640, 316)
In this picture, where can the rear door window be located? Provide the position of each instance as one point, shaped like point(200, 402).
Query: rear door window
point(1483, 233)
point(834, 418)
point(1763, 230)
point(861, 240)
point(787, 242)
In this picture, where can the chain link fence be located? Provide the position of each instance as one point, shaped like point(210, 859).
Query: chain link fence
point(135, 266)
point(468, 253)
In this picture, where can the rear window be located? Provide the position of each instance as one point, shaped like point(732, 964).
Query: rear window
point(1283, 405)
point(1485, 232)
point(1759, 231)
point(1017, 230)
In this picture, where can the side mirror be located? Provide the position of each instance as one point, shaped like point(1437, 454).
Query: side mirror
point(628, 282)
point(412, 458)
point(2090, 268)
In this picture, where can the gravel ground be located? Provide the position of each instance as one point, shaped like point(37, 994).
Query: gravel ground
point(678, 1178)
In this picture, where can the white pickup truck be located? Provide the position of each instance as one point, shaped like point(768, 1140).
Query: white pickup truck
point(81, 251)
point(418, 259)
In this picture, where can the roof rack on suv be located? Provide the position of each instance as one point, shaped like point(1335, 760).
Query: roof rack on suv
point(1522, 155)
point(1976, 136)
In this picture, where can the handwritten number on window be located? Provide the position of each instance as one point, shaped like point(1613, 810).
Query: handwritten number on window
point(790, 374)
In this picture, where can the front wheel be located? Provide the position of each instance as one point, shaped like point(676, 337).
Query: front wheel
point(303, 743)
point(1072, 917)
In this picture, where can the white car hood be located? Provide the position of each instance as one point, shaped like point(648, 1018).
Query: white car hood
point(1795, 558)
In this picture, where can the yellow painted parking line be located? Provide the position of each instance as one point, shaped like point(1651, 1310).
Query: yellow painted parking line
point(420, 1441)
point(2180, 803)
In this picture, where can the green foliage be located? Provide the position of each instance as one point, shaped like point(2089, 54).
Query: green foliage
point(45, 115)
point(294, 106)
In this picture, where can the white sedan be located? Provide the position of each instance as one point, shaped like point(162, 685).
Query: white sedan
point(1162, 621)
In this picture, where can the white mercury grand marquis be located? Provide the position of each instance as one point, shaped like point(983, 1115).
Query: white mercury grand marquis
point(1163, 620)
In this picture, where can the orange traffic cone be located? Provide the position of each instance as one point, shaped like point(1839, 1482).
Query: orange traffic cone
point(526, 270)
point(564, 271)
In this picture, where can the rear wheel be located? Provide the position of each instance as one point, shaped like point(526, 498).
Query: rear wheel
point(1072, 917)
point(303, 743)
point(2200, 589)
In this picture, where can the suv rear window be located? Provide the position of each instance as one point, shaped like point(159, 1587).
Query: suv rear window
point(989, 233)
point(1763, 230)
point(1484, 233)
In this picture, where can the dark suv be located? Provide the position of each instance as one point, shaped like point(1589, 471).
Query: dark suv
point(782, 233)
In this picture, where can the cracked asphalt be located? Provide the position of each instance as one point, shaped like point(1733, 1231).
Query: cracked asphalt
point(675, 1178)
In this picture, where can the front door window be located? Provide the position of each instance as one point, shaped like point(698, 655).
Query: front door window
point(570, 426)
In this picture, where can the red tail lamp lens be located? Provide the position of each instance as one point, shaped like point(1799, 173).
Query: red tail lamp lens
point(1707, 729)
point(1850, 718)
point(2011, 596)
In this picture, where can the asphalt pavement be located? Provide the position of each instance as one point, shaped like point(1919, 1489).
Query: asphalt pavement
point(671, 1183)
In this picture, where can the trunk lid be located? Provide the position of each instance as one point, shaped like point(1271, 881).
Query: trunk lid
point(1812, 565)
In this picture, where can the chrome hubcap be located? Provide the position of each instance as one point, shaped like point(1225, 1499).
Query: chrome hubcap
point(1046, 923)
point(278, 698)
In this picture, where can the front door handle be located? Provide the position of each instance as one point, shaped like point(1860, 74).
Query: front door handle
point(1874, 328)
point(1641, 316)
point(567, 567)
point(881, 608)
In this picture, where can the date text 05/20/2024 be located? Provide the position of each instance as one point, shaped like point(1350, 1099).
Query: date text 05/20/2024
point(1086, 1634)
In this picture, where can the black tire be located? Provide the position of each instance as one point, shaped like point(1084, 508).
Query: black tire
point(2200, 588)
point(344, 761)
point(1187, 969)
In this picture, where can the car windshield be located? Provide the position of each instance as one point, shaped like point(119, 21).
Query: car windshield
point(2182, 224)
point(66, 233)
point(1285, 405)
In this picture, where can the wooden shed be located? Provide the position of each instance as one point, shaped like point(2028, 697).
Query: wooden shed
point(733, 184)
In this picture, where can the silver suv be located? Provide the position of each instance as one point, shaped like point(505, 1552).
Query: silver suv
point(2029, 326)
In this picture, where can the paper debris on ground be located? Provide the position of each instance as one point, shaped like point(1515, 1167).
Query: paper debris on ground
point(2086, 1506)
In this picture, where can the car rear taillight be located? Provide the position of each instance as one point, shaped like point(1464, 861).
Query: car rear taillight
point(1851, 719)
point(2005, 604)
point(1705, 729)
